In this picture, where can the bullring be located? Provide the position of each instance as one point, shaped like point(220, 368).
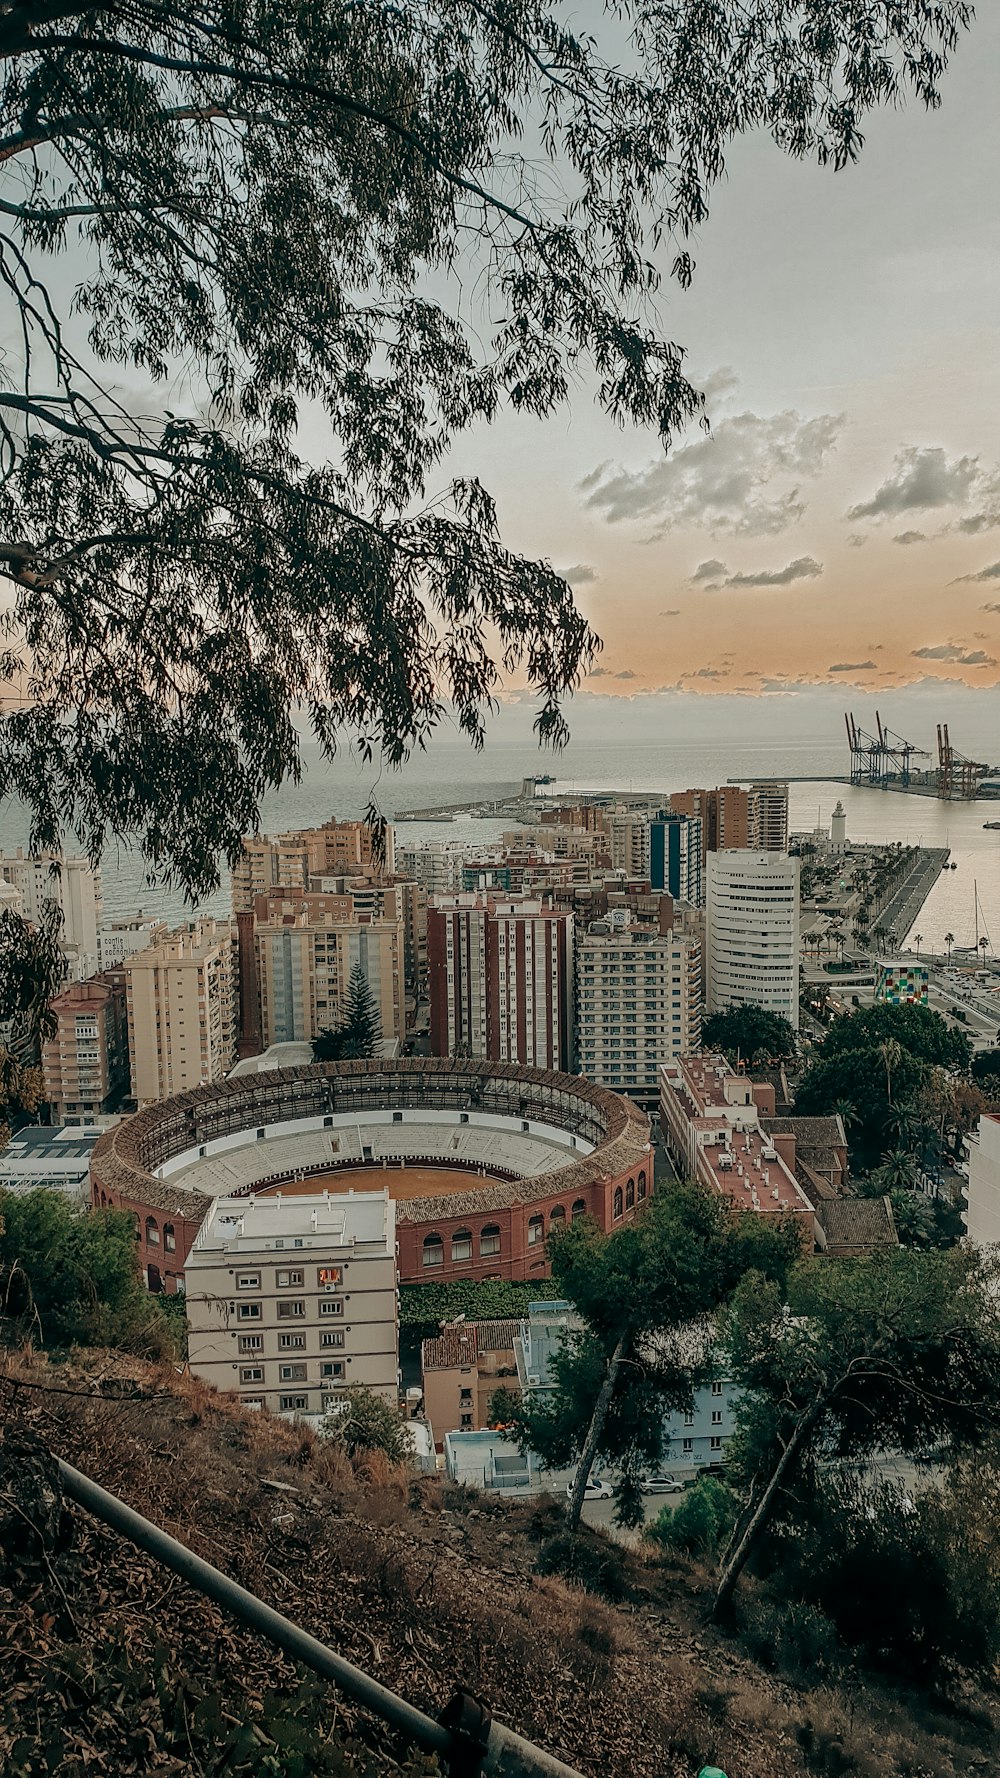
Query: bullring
point(483, 1159)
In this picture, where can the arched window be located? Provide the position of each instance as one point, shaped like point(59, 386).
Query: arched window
point(461, 1245)
point(642, 1185)
point(152, 1232)
point(433, 1250)
point(557, 1215)
point(618, 1201)
point(579, 1208)
point(489, 1240)
point(169, 1241)
point(630, 1195)
point(154, 1281)
point(536, 1230)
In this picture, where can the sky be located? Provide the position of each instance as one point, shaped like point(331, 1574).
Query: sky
point(840, 527)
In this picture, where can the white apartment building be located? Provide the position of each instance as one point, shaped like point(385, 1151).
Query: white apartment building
point(638, 1002)
point(292, 1299)
point(628, 838)
point(436, 865)
point(74, 886)
point(982, 1220)
point(768, 817)
point(181, 997)
point(122, 938)
point(752, 932)
point(305, 956)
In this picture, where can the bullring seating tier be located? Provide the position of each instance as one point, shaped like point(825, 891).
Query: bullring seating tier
point(503, 1153)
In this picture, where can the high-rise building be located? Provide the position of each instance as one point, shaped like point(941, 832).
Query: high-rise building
point(628, 836)
point(122, 938)
point(292, 1299)
point(289, 860)
point(436, 865)
point(85, 1062)
point(638, 1002)
point(752, 932)
point(724, 814)
point(181, 1011)
point(501, 977)
point(768, 817)
point(74, 886)
point(305, 950)
point(676, 856)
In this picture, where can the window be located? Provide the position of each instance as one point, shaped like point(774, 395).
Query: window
point(334, 1368)
point(290, 1280)
point(557, 1215)
point(716, 1388)
point(466, 1421)
point(687, 1446)
point(716, 1416)
point(292, 1311)
point(248, 1280)
point(252, 1373)
point(291, 1342)
point(433, 1250)
point(618, 1202)
point(333, 1338)
point(536, 1230)
point(630, 1195)
point(689, 1419)
point(169, 1240)
point(579, 1208)
point(333, 1404)
point(489, 1240)
point(326, 1276)
point(251, 1342)
point(716, 1444)
point(642, 1185)
point(292, 1404)
point(248, 1311)
point(331, 1305)
point(292, 1373)
point(465, 1398)
point(152, 1232)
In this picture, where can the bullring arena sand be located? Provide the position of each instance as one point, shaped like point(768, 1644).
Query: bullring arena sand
point(401, 1183)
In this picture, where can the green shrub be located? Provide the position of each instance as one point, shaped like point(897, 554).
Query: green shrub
point(362, 1421)
point(700, 1523)
point(597, 1567)
point(791, 1636)
point(423, 1307)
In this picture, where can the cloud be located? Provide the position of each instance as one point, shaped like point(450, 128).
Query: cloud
point(729, 481)
point(993, 608)
point(705, 673)
point(606, 673)
point(628, 674)
point(857, 539)
point(709, 571)
point(581, 574)
point(990, 573)
point(910, 537)
point(674, 612)
point(920, 480)
point(803, 568)
point(852, 667)
point(953, 651)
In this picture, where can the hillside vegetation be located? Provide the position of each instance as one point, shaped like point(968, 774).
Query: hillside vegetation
point(113, 1665)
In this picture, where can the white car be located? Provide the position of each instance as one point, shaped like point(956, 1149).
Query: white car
point(659, 1484)
point(596, 1489)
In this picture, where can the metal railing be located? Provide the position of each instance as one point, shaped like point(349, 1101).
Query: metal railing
point(466, 1737)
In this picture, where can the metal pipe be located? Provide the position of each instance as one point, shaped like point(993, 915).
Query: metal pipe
point(506, 1755)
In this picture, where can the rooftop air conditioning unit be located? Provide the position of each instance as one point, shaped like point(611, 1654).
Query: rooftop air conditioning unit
point(768, 1154)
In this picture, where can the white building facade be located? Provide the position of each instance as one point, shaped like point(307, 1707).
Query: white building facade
point(982, 1221)
point(292, 1299)
point(75, 887)
point(752, 932)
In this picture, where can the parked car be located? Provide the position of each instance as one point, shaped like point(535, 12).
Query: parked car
point(596, 1489)
point(658, 1484)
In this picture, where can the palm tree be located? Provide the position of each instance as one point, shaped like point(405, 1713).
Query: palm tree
point(891, 1052)
point(984, 945)
point(949, 939)
point(918, 939)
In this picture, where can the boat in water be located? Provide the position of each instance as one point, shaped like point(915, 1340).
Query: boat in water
point(992, 825)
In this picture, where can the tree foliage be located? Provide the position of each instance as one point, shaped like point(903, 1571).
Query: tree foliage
point(896, 1353)
point(276, 215)
point(70, 1276)
point(750, 1034)
point(32, 967)
point(700, 1522)
point(363, 1421)
point(879, 1060)
point(644, 1295)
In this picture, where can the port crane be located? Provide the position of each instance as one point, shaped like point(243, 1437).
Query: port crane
point(958, 777)
point(876, 759)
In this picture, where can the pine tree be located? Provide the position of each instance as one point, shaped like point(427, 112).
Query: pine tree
point(359, 1033)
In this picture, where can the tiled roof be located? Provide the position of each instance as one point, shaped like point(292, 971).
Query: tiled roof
point(858, 1224)
point(453, 1346)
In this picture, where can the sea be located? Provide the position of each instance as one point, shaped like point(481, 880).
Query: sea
point(964, 901)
